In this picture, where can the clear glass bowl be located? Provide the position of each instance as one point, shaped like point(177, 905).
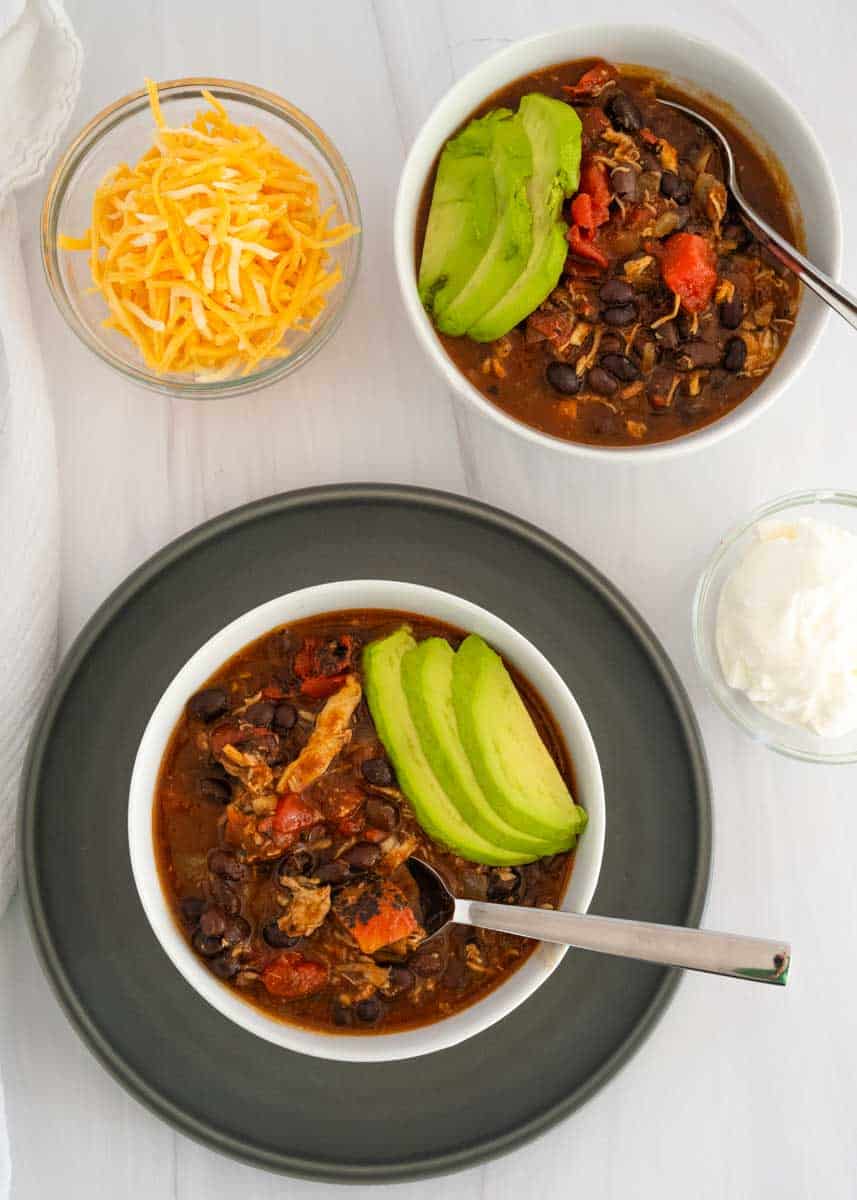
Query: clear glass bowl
point(121, 133)
point(837, 508)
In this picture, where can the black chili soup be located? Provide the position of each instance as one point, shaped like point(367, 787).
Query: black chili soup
point(266, 893)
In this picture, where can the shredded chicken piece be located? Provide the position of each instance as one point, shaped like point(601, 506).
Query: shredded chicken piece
point(249, 767)
point(668, 155)
point(580, 333)
point(308, 905)
point(626, 150)
point(473, 958)
point(632, 390)
point(635, 267)
point(635, 428)
point(586, 361)
point(399, 852)
point(366, 975)
point(330, 735)
point(762, 349)
point(763, 314)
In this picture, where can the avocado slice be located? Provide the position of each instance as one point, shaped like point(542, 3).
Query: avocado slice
point(554, 131)
point(508, 756)
point(463, 214)
point(427, 680)
point(509, 249)
point(382, 671)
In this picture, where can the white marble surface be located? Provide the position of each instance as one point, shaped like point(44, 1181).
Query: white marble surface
point(741, 1092)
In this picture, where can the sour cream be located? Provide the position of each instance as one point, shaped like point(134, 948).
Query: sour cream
point(786, 629)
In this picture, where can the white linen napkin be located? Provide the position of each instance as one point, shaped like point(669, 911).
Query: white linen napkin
point(40, 62)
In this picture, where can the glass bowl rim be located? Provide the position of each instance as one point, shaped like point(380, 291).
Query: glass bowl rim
point(103, 123)
point(831, 497)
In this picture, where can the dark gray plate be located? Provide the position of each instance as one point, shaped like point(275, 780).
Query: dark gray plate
point(243, 1096)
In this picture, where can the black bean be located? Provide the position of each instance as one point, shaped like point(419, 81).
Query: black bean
point(368, 1010)
point(342, 1015)
point(223, 862)
point(736, 354)
point(285, 716)
point(332, 872)
point(675, 188)
point(260, 713)
point(623, 112)
point(732, 312)
point(602, 382)
point(191, 909)
point(504, 884)
point(624, 182)
point(362, 857)
point(215, 789)
point(401, 979)
point(563, 378)
point(620, 366)
point(205, 945)
point(223, 894)
point(378, 772)
point(695, 354)
point(612, 343)
point(620, 314)
point(208, 704)
point(213, 922)
point(427, 962)
point(224, 966)
point(381, 815)
point(236, 930)
point(299, 861)
point(277, 938)
point(616, 291)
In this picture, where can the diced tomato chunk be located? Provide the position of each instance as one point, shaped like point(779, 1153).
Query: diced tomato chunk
point(319, 687)
point(689, 268)
point(584, 248)
point(593, 183)
point(581, 211)
point(291, 976)
point(292, 815)
point(591, 82)
point(376, 913)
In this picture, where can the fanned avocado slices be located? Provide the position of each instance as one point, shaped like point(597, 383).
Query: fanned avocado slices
point(382, 669)
point(512, 240)
point(463, 213)
point(554, 132)
point(427, 680)
point(466, 752)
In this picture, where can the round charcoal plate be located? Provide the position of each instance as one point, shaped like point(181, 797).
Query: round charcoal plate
point(246, 1097)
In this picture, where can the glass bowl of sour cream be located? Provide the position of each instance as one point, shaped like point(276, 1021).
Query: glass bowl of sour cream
point(775, 625)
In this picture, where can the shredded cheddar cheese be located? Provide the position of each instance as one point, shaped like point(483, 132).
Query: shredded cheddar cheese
point(211, 247)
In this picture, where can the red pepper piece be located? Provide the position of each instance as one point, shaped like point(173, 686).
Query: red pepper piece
point(291, 976)
point(689, 268)
point(293, 814)
point(593, 183)
point(319, 687)
point(591, 82)
point(584, 248)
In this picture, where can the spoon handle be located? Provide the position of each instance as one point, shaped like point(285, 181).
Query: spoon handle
point(750, 958)
point(824, 287)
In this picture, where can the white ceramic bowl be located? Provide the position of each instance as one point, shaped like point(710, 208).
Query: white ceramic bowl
point(374, 593)
point(727, 83)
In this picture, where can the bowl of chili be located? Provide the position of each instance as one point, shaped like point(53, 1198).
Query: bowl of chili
point(190, 878)
point(668, 328)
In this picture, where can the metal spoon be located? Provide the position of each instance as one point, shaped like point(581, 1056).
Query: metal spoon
point(830, 292)
point(755, 959)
